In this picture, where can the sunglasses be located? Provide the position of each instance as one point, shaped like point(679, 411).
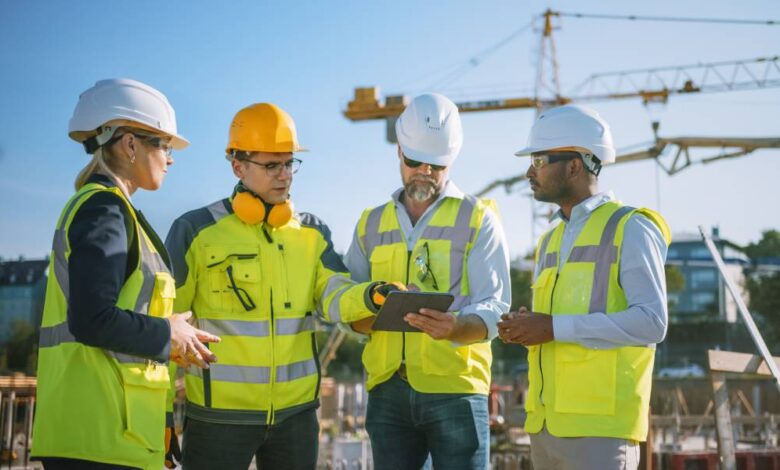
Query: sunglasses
point(415, 164)
point(424, 267)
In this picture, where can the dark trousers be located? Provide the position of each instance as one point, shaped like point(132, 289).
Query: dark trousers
point(291, 444)
point(57, 463)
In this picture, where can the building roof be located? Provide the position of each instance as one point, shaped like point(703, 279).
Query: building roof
point(24, 272)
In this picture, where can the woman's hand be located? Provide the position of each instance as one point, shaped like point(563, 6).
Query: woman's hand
point(187, 346)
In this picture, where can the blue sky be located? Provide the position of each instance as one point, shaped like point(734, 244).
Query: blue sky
point(213, 58)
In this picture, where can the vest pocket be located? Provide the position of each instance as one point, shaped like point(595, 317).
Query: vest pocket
point(146, 391)
point(163, 295)
point(585, 380)
point(233, 274)
point(441, 357)
point(542, 290)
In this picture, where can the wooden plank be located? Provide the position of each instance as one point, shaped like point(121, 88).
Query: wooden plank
point(723, 426)
point(727, 361)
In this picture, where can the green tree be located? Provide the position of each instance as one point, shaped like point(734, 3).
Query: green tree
point(768, 246)
point(675, 280)
point(21, 347)
point(765, 290)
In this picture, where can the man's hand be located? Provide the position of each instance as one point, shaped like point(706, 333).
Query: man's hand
point(437, 324)
point(381, 290)
point(525, 327)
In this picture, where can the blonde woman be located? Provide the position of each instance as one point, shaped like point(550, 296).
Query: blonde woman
point(107, 331)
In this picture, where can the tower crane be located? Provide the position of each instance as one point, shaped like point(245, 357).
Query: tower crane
point(651, 85)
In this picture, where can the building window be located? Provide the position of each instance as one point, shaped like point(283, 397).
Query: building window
point(700, 252)
point(704, 302)
point(703, 278)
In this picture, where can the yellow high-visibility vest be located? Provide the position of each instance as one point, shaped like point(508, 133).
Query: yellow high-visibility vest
point(432, 366)
point(258, 288)
point(573, 390)
point(95, 404)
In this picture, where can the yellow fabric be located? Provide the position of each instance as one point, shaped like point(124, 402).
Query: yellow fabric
point(432, 366)
point(284, 274)
point(575, 391)
point(90, 405)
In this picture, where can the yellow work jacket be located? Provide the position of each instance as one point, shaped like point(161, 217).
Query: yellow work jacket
point(95, 404)
point(258, 288)
point(432, 366)
point(573, 390)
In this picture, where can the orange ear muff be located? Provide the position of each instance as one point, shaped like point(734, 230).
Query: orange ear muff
point(280, 214)
point(252, 210)
point(248, 208)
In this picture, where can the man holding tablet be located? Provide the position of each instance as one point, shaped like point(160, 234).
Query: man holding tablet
point(428, 389)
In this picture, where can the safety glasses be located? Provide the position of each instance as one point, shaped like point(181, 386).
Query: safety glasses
point(415, 164)
point(423, 264)
point(274, 169)
point(538, 160)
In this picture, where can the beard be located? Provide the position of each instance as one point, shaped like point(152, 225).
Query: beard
point(421, 189)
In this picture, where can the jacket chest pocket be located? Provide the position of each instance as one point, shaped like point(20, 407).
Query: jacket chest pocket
point(233, 277)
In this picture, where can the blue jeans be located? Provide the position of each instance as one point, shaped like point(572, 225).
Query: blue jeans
point(406, 427)
point(291, 444)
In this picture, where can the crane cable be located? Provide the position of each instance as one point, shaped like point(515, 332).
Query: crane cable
point(671, 19)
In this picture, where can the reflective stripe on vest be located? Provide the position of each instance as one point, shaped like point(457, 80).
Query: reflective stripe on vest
point(258, 375)
point(603, 255)
point(460, 234)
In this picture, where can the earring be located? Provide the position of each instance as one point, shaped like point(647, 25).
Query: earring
point(132, 158)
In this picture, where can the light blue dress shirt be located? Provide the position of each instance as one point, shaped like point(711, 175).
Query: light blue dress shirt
point(488, 261)
point(641, 274)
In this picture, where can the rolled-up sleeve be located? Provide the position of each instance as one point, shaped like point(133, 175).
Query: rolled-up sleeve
point(488, 273)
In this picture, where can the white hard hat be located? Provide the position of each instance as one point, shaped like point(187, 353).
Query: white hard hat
point(429, 130)
point(571, 126)
point(124, 100)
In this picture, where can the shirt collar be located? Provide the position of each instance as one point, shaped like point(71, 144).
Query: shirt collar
point(583, 209)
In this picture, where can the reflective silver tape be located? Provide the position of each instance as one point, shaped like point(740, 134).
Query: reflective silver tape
point(258, 329)
point(55, 335)
point(59, 246)
point(543, 251)
point(236, 374)
point(296, 370)
point(218, 210)
point(336, 282)
point(293, 326)
point(605, 257)
point(127, 358)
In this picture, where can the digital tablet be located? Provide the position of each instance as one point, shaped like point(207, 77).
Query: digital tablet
point(398, 304)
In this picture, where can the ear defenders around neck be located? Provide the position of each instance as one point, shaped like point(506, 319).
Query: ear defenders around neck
point(252, 210)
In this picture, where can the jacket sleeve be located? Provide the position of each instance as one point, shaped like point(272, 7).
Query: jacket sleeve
point(99, 264)
point(338, 298)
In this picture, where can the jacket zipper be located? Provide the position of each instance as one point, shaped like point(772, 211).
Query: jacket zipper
point(403, 333)
point(541, 371)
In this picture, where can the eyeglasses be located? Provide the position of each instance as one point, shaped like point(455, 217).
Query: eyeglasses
point(415, 164)
point(274, 168)
point(158, 142)
point(162, 143)
point(422, 261)
point(538, 160)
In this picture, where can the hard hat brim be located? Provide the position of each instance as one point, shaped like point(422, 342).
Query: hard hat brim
point(443, 160)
